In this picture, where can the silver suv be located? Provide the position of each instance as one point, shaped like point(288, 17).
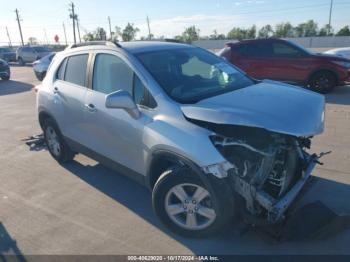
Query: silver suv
point(206, 139)
point(29, 54)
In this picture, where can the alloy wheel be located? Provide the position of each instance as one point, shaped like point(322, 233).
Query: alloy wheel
point(52, 141)
point(190, 206)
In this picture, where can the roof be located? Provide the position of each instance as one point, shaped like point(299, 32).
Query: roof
point(148, 46)
point(271, 39)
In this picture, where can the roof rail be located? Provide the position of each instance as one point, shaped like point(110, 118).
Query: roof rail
point(90, 43)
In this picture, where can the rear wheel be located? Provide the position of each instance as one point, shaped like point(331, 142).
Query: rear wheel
point(58, 148)
point(323, 82)
point(185, 206)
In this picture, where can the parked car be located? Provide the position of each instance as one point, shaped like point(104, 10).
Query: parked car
point(40, 66)
point(207, 140)
point(343, 52)
point(5, 72)
point(285, 61)
point(29, 54)
point(7, 54)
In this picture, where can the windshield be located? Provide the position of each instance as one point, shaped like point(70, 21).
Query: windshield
point(191, 74)
point(41, 49)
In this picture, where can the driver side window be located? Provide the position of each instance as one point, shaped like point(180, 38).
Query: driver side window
point(111, 74)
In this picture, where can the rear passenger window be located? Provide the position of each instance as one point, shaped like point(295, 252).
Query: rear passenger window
point(111, 74)
point(76, 69)
point(254, 50)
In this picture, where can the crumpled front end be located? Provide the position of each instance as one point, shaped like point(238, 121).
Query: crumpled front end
point(267, 169)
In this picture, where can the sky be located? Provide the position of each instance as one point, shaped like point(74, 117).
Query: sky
point(43, 19)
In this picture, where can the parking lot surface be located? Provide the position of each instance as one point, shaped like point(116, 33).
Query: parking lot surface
point(84, 208)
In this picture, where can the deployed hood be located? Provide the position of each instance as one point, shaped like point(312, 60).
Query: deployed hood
point(270, 105)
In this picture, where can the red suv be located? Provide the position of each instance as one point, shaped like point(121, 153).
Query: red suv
point(282, 60)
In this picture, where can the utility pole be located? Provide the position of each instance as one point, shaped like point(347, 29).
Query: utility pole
point(78, 28)
point(47, 41)
point(65, 35)
point(149, 29)
point(73, 16)
point(330, 18)
point(19, 26)
point(110, 28)
point(8, 35)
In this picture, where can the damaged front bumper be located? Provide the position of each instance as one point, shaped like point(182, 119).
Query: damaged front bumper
point(277, 207)
point(253, 196)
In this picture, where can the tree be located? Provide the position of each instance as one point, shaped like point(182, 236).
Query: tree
point(345, 31)
point(32, 41)
point(236, 33)
point(324, 31)
point(265, 32)
point(251, 33)
point(190, 34)
point(306, 29)
point(239, 33)
point(128, 33)
point(284, 30)
point(100, 34)
point(88, 37)
point(216, 36)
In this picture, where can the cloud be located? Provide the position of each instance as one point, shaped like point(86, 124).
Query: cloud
point(248, 2)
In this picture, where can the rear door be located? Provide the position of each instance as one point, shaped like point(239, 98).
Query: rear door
point(251, 58)
point(69, 95)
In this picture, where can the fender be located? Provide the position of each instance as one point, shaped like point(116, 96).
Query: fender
point(44, 112)
point(214, 184)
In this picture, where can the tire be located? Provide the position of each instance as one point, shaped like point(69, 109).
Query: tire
point(323, 82)
point(56, 145)
point(196, 214)
point(5, 78)
point(21, 61)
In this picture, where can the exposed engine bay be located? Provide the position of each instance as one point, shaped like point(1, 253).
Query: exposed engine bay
point(268, 169)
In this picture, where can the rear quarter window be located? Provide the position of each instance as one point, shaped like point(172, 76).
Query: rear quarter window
point(61, 70)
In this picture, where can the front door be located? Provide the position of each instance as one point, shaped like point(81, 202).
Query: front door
point(114, 133)
point(287, 63)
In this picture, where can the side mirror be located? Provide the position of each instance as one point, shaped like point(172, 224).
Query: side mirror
point(122, 99)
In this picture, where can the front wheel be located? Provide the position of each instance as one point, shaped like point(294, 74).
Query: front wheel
point(186, 207)
point(21, 61)
point(323, 82)
point(5, 78)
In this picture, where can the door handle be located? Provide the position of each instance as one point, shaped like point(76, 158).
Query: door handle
point(91, 107)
